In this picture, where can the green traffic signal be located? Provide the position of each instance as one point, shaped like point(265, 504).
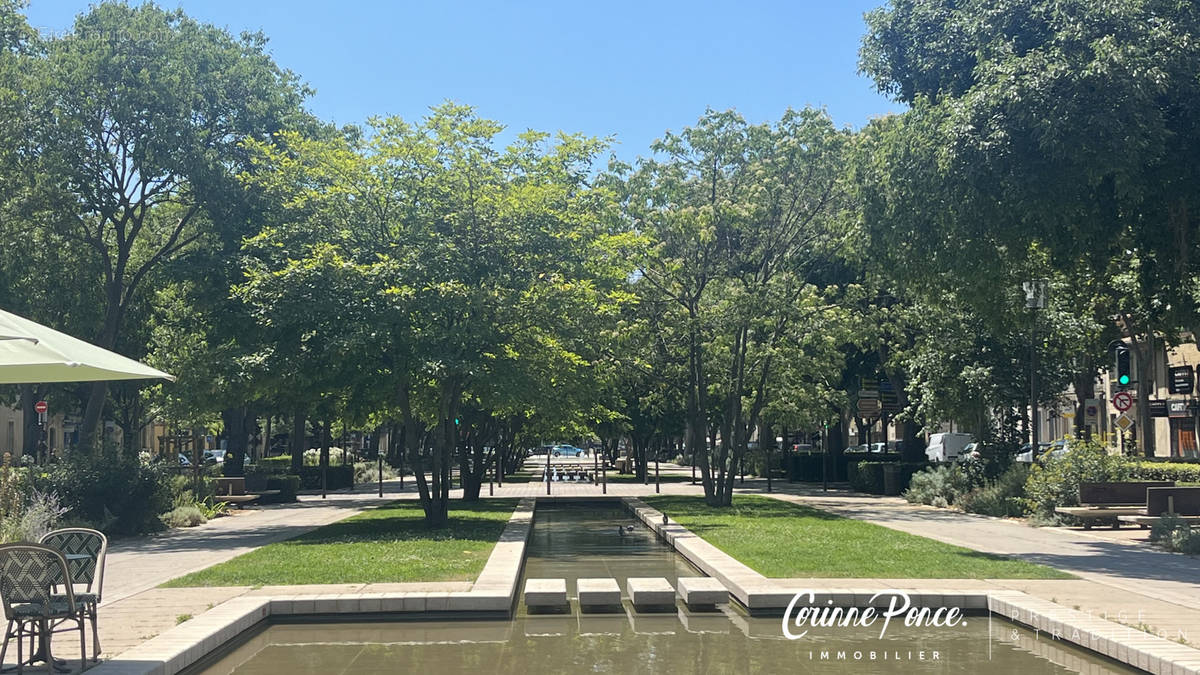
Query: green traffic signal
point(1123, 378)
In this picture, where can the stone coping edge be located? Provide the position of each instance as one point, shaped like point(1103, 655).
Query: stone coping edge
point(493, 592)
point(759, 594)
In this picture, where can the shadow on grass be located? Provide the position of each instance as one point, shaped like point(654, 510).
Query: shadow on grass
point(743, 506)
point(405, 521)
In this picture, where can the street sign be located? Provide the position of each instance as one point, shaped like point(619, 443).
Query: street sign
point(869, 408)
point(1122, 401)
point(1124, 422)
point(40, 407)
point(1091, 411)
point(1178, 408)
point(1182, 380)
point(889, 397)
point(1158, 408)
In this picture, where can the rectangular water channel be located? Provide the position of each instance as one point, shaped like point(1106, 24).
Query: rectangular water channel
point(574, 540)
point(577, 540)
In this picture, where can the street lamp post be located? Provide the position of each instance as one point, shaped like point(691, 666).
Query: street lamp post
point(1035, 299)
point(825, 459)
point(779, 442)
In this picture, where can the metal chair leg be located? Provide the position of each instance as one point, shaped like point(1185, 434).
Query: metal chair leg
point(83, 660)
point(20, 653)
point(7, 637)
point(93, 613)
point(46, 638)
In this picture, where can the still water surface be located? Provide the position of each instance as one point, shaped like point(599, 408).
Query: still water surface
point(572, 540)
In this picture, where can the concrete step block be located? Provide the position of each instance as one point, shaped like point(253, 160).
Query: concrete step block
point(546, 593)
point(598, 593)
point(702, 591)
point(650, 592)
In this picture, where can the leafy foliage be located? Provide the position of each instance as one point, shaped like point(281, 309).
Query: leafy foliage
point(1054, 481)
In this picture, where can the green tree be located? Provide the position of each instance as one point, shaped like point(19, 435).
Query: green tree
point(141, 113)
point(473, 266)
point(739, 217)
point(1046, 127)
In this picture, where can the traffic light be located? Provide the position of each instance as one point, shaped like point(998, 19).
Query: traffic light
point(1123, 378)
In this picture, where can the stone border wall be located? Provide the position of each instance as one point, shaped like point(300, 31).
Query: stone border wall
point(494, 592)
point(760, 595)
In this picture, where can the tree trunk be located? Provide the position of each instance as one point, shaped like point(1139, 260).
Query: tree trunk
point(298, 441)
point(30, 430)
point(324, 454)
point(236, 437)
point(1144, 352)
point(1085, 388)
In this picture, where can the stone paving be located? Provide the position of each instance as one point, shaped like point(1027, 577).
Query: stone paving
point(1120, 577)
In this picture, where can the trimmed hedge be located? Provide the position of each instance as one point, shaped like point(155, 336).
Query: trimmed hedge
point(868, 476)
point(806, 468)
point(337, 478)
point(1176, 471)
point(280, 464)
point(288, 486)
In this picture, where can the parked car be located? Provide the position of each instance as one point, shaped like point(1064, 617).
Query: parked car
point(183, 460)
point(890, 446)
point(1055, 449)
point(946, 447)
point(567, 451)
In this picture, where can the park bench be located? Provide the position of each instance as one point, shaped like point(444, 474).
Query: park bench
point(232, 490)
point(579, 472)
point(1107, 502)
point(1183, 502)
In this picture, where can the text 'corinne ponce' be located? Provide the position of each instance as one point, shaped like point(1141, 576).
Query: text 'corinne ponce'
point(804, 616)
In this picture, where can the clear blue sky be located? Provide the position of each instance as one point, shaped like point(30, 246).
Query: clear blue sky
point(629, 69)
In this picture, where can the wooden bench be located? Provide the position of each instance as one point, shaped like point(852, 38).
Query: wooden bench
point(1108, 502)
point(232, 489)
point(1183, 502)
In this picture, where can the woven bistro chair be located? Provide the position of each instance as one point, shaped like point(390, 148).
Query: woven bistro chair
point(84, 551)
point(28, 574)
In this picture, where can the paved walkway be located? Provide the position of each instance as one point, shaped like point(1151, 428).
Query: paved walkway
point(1121, 579)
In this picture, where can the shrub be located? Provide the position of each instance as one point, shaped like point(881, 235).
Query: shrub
point(938, 486)
point(869, 476)
point(997, 458)
point(1002, 497)
point(807, 467)
point(281, 464)
point(368, 472)
point(1176, 471)
point(1175, 534)
point(312, 456)
point(116, 494)
point(40, 514)
point(184, 516)
point(337, 477)
point(288, 487)
point(1054, 481)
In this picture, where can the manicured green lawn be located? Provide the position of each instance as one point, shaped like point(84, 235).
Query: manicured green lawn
point(388, 544)
point(783, 540)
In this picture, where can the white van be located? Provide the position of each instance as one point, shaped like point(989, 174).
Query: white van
point(946, 447)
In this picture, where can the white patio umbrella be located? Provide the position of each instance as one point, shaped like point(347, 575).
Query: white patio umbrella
point(31, 353)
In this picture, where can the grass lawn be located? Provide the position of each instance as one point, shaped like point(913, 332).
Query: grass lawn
point(384, 545)
point(784, 540)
